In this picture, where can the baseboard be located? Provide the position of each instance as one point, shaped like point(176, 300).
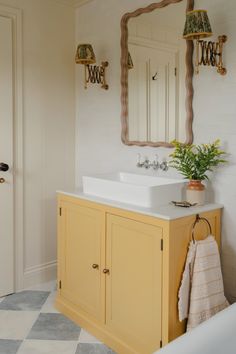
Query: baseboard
point(40, 274)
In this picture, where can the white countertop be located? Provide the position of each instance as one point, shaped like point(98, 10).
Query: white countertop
point(166, 212)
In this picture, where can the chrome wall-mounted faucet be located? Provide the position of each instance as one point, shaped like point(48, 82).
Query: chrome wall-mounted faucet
point(156, 165)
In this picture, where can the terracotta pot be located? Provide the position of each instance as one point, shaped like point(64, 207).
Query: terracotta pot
point(195, 192)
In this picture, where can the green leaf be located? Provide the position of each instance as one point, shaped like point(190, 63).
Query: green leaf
point(194, 161)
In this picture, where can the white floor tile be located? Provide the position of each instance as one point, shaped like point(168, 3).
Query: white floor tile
point(85, 337)
point(49, 286)
point(47, 347)
point(16, 324)
point(49, 306)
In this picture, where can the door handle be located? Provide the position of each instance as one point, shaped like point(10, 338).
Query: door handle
point(4, 167)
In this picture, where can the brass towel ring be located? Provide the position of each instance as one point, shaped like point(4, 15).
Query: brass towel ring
point(198, 219)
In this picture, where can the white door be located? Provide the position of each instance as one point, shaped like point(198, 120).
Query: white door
point(152, 94)
point(6, 158)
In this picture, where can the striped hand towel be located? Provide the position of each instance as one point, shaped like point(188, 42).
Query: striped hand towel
point(207, 289)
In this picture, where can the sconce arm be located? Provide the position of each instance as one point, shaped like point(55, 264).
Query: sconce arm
point(96, 74)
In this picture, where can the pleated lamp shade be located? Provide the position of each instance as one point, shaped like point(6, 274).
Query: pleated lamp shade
point(85, 54)
point(197, 25)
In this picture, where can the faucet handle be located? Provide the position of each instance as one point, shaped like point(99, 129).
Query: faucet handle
point(164, 166)
point(156, 164)
point(147, 164)
point(139, 163)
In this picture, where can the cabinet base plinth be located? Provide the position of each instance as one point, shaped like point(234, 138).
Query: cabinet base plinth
point(93, 328)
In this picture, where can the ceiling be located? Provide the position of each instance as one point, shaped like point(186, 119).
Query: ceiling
point(73, 3)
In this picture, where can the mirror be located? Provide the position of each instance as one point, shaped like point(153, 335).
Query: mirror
point(156, 75)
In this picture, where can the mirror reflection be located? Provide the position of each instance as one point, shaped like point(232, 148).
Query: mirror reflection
point(156, 75)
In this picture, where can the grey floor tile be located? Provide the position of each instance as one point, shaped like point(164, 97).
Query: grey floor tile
point(9, 346)
point(25, 301)
point(93, 348)
point(54, 326)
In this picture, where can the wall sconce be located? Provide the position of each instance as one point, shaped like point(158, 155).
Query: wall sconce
point(94, 74)
point(130, 62)
point(198, 26)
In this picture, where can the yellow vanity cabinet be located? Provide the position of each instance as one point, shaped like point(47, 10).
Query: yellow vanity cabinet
point(119, 272)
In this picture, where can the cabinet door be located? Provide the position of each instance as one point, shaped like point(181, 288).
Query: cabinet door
point(134, 281)
point(81, 231)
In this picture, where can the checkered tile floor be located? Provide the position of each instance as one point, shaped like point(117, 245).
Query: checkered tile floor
point(30, 324)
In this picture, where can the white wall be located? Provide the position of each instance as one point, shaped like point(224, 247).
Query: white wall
point(48, 132)
point(99, 147)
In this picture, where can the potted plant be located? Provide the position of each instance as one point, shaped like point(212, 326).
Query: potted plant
point(193, 162)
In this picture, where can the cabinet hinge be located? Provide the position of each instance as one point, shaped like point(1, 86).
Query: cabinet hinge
point(160, 343)
point(59, 285)
point(60, 211)
point(175, 71)
point(162, 244)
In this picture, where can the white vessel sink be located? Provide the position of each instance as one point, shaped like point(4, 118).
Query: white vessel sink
point(141, 190)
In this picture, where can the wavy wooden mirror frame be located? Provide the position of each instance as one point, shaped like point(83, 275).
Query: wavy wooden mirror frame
point(124, 76)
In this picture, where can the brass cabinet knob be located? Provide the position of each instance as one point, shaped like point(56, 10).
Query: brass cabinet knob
point(2, 180)
point(95, 266)
point(105, 271)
